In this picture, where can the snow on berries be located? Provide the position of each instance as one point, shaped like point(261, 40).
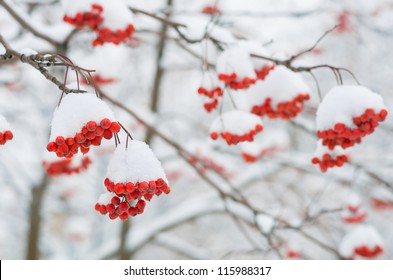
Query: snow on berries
point(80, 121)
point(111, 20)
point(235, 127)
point(363, 241)
point(5, 131)
point(235, 68)
point(326, 158)
point(65, 166)
point(281, 95)
point(353, 212)
point(134, 176)
point(272, 142)
point(347, 114)
point(211, 90)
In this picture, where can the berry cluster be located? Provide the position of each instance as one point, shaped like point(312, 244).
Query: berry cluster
point(213, 94)
point(249, 158)
point(5, 136)
point(233, 139)
point(205, 163)
point(367, 252)
point(291, 254)
point(354, 215)
point(100, 80)
point(91, 19)
point(64, 166)
point(381, 204)
point(128, 198)
point(264, 71)
point(211, 10)
point(233, 82)
point(283, 110)
point(347, 137)
point(329, 161)
point(106, 35)
point(91, 134)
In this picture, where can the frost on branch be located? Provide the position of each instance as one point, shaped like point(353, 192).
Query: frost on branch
point(326, 158)
point(5, 131)
point(211, 90)
point(235, 68)
point(235, 127)
point(347, 114)
point(363, 241)
point(111, 20)
point(271, 143)
point(134, 175)
point(80, 121)
point(65, 166)
point(281, 95)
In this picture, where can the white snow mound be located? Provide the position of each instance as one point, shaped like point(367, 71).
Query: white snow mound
point(235, 122)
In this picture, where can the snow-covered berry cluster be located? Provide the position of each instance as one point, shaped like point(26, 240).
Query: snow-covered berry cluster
point(134, 176)
point(353, 214)
point(111, 20)
point(326, 158)
point(55, 166)
point(263, 71)
point(5, 131)
point(347, 114)
point(235, 127)
point(281, 95)
point(235, 68)
point(363, 241)
point(79, 122)
point(382, 199)
point(211, 90)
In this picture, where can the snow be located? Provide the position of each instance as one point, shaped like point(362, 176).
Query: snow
point(105, 198)
point(265, 222)
point(72, 7)
point(275, 139)
point(136, 163)
point(75, 110)
point(360, 235)
point(28, 51)
point(236, 60)
point(337, 151)
point(116, 14)
point(281, 85)
point(210, 80)
point(236, 122)
point(256, 48)
point(342, 103)
point(4, 125)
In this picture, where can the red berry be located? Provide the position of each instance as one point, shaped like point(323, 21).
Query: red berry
point(115, 127)
point(105, 123)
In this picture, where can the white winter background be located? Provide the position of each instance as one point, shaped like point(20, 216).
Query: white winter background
point(300, 209)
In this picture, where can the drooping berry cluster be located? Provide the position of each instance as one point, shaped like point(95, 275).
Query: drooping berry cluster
point(6, 136)
point(366, 252)
point(264, 71)
point(106, 35)
point(330, 161)
point(64, 166)
point(91, 19)
point(344, 136)
point(284, 110)
point(250, 158)
point(354, 214)
point(128, 199)
point(214, 94)
point(211, 10)
point(232, 81)
point(233, 139)
point(90, 135)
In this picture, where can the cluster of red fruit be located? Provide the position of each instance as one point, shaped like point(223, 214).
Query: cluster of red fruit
point(264, 71)
point(100, 80)
point(381, 204)
point(346, 137)
point(233, 139)
point(213, 94)
point(211, 10)
point(253, 158)
point(329, 161)
point(90, 19)
point(233, 82)
point(91, 134)
point(125, 194)
point(284, 110)
point(106, 35)
point(94, 20)
point(366, 252)
point(5, 136)
point(355, 216)
point(64, 166)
